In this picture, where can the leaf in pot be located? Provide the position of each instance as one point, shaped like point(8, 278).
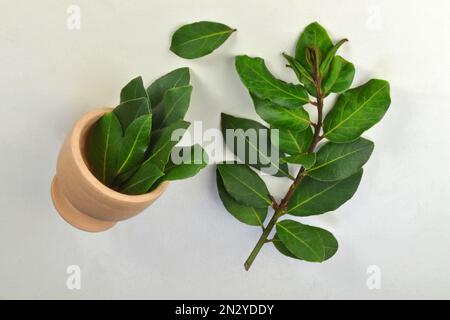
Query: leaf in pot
point(130, 110)
point(293, 142)
point(314, 36)
point(142, 180)
point(177, 78)
point(189, 161)
point(134, 144)
point(337, 161)
point(103, 148)
point(307, 160)
point(163, 140)
point(281, 117)
point(198, 39)
point(244, 185)
point(325, 64)
point(246, 214)
point(307, 242)
point(340, 76)
point(250, 142)
point(279, 245)
point(314, 197)
point(173, 107)
point(357, 110)
point(259, 81)
point(133, 90)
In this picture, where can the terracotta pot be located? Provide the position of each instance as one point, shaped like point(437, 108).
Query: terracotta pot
point(81, 199)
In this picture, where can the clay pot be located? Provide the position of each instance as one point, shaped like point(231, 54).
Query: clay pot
point(81, 199)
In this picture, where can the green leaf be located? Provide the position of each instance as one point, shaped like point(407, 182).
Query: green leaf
point(103, 148)
point(337, 161)
point(134, 144)
point(325, 65)
point(198, 39)
point(251, 143)
point(173, 107)
point(142, 180)
point(293, 142)
point(190, 161)
point(259, 81)
point(130, 110)
point(281, 117)
point(357, 110)
point(314, 36)
point(162, 142)
point(133, 90)
point(307, 242)
point(248, 215)
point(244, 185)
point(301, 72)
point(314, 197)
point(340, 76)
point(177, 78)
point(279, 245)
point(307, 160)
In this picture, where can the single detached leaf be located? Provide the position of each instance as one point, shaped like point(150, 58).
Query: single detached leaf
point(102, 147)
point(248, 215)
point(198, 39)
point(173, 107)
point(279, 245)
point(293, 142)
point(259, 81)
point(337, 161)
point(357, 110)
point(250, 142)
point(314, 197)
point(162, 142)
point(142, 180)
point(130, 110)
point(244, 185)
point(314, 36)
point(307, 160)
point(176, 78)
point(281, 117)
point(185, 162)
point(134, 144)
point(325, 64)
point(307, 242)
point(340, 76)
point(133, 90)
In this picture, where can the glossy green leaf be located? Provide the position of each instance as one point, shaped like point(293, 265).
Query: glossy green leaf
point(340, 76)
point(134, 144)
point(173, 107)
point(198, 39)
point(325, 64)
point(130, 110)
point(279, 245)
point(259, 81)
point(281, 117)
point(177, 78)
point(103, 147)
point(337, 161)
point(293, 142)
point(248, 215)
point(307, 242)
point(133, 90)
point(250, 142)
point(314, 197)
point(244, 185)
point(142, 180)
point(307, 160)
point(357, 110)
point(302, 74)
point(185, 162)
point(314, 36)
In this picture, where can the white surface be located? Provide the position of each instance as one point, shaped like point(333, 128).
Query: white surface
point(186, 245)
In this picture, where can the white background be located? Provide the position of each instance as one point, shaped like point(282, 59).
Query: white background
point(186, 245)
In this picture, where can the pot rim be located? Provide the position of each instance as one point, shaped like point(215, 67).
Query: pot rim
point(75, 143)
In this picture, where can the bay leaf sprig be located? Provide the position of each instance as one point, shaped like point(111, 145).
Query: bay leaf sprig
point(129, 148)
point(327, 153)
